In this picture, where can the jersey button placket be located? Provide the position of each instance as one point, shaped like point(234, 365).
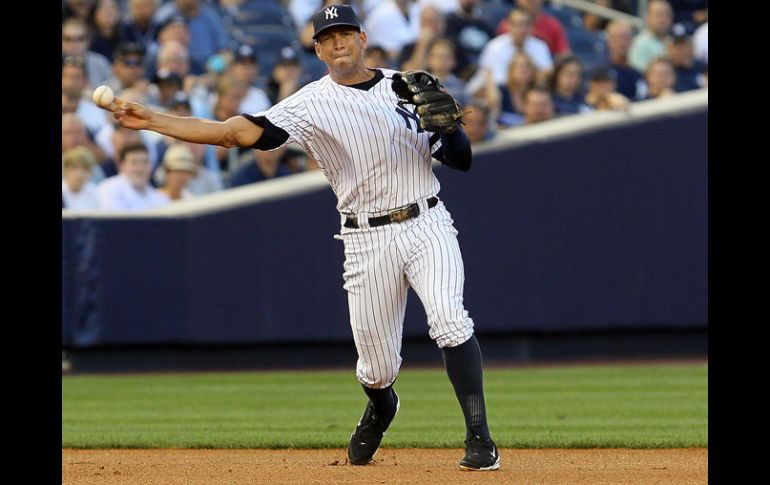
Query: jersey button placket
point(394, 183)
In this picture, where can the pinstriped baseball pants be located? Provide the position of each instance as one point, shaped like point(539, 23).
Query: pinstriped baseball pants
point(381, 263)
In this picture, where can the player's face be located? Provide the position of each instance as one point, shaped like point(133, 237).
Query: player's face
point(341, 47)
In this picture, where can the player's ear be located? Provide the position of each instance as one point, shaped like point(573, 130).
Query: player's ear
point(364, 40)
point(317, 47)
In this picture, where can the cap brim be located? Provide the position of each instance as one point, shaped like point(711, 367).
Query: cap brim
point(345, 24)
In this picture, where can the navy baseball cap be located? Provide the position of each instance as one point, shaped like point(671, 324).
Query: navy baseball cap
point(334, 16)
point(245, 53)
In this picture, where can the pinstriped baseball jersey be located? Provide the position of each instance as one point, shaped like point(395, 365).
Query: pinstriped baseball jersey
point(376, 158)
point(368, 144)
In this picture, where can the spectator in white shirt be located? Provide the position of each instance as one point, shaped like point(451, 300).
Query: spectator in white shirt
point(498, 53)
point(393, 24)
point(130, 190)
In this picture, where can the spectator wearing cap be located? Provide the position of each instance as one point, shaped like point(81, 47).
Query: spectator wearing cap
point(77, 191)
point(619, 37)
point(285, 79)
point(207, 32)
point(651, 42)
point(689, 71)
point(245, 68)
point(73, 87)
point(108, 28)
point(206, 181)
point(130, 190)
point(75, 39)
point(178, 169)
point(165, 85)
point(128, 69)
point(602, 94)
point(263, 166)
point(174, 57)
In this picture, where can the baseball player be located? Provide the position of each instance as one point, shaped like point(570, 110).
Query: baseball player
point(374, 133)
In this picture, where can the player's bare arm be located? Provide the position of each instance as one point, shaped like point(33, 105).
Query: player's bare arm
point(234, 132)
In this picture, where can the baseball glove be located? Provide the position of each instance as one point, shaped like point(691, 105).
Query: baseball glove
point(438, 110)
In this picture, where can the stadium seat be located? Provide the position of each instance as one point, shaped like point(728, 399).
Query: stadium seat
point(589, 47)
point(568, 16)
point(582, 41)
point(494, 12)
point(257, 13)
point(265, 39)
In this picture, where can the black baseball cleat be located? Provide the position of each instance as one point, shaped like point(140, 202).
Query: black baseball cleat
point(480, 455)
point(366, 439)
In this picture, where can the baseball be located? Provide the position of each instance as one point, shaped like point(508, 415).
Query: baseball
point(103, 96)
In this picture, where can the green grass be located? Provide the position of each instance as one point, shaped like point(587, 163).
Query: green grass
point(647, 406)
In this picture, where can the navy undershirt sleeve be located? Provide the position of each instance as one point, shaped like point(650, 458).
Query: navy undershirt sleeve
point(272, 136)
point(455, 151)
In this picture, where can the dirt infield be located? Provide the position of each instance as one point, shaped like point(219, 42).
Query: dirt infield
point(393, 466)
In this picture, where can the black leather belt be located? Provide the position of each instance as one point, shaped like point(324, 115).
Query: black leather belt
point(400, 215)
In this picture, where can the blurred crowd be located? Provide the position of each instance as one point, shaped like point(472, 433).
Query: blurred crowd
point(509, 63)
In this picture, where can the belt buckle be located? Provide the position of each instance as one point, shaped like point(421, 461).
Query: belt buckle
point(400, 215)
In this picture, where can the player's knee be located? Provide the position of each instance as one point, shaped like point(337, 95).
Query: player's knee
point(378, 380)
point(452, 334)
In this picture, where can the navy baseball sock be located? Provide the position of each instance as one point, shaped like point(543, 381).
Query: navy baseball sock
point(383, 399)
point(463, 365)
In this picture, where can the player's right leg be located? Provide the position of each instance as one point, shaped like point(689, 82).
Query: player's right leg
point(377, 293)
point(436, 273)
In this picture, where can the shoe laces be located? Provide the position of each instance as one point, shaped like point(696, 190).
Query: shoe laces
point(477, 443)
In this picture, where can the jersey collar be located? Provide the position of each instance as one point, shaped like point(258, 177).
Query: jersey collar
point(366, 85)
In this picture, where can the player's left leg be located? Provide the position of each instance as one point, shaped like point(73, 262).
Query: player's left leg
point(436, 272)
point(377, 293)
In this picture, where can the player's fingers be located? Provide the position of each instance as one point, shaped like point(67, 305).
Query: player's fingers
point(116, 104)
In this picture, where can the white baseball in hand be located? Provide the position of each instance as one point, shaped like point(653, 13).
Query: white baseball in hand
point(103, 96)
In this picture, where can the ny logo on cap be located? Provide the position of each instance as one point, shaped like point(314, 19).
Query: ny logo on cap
point(331, 12)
